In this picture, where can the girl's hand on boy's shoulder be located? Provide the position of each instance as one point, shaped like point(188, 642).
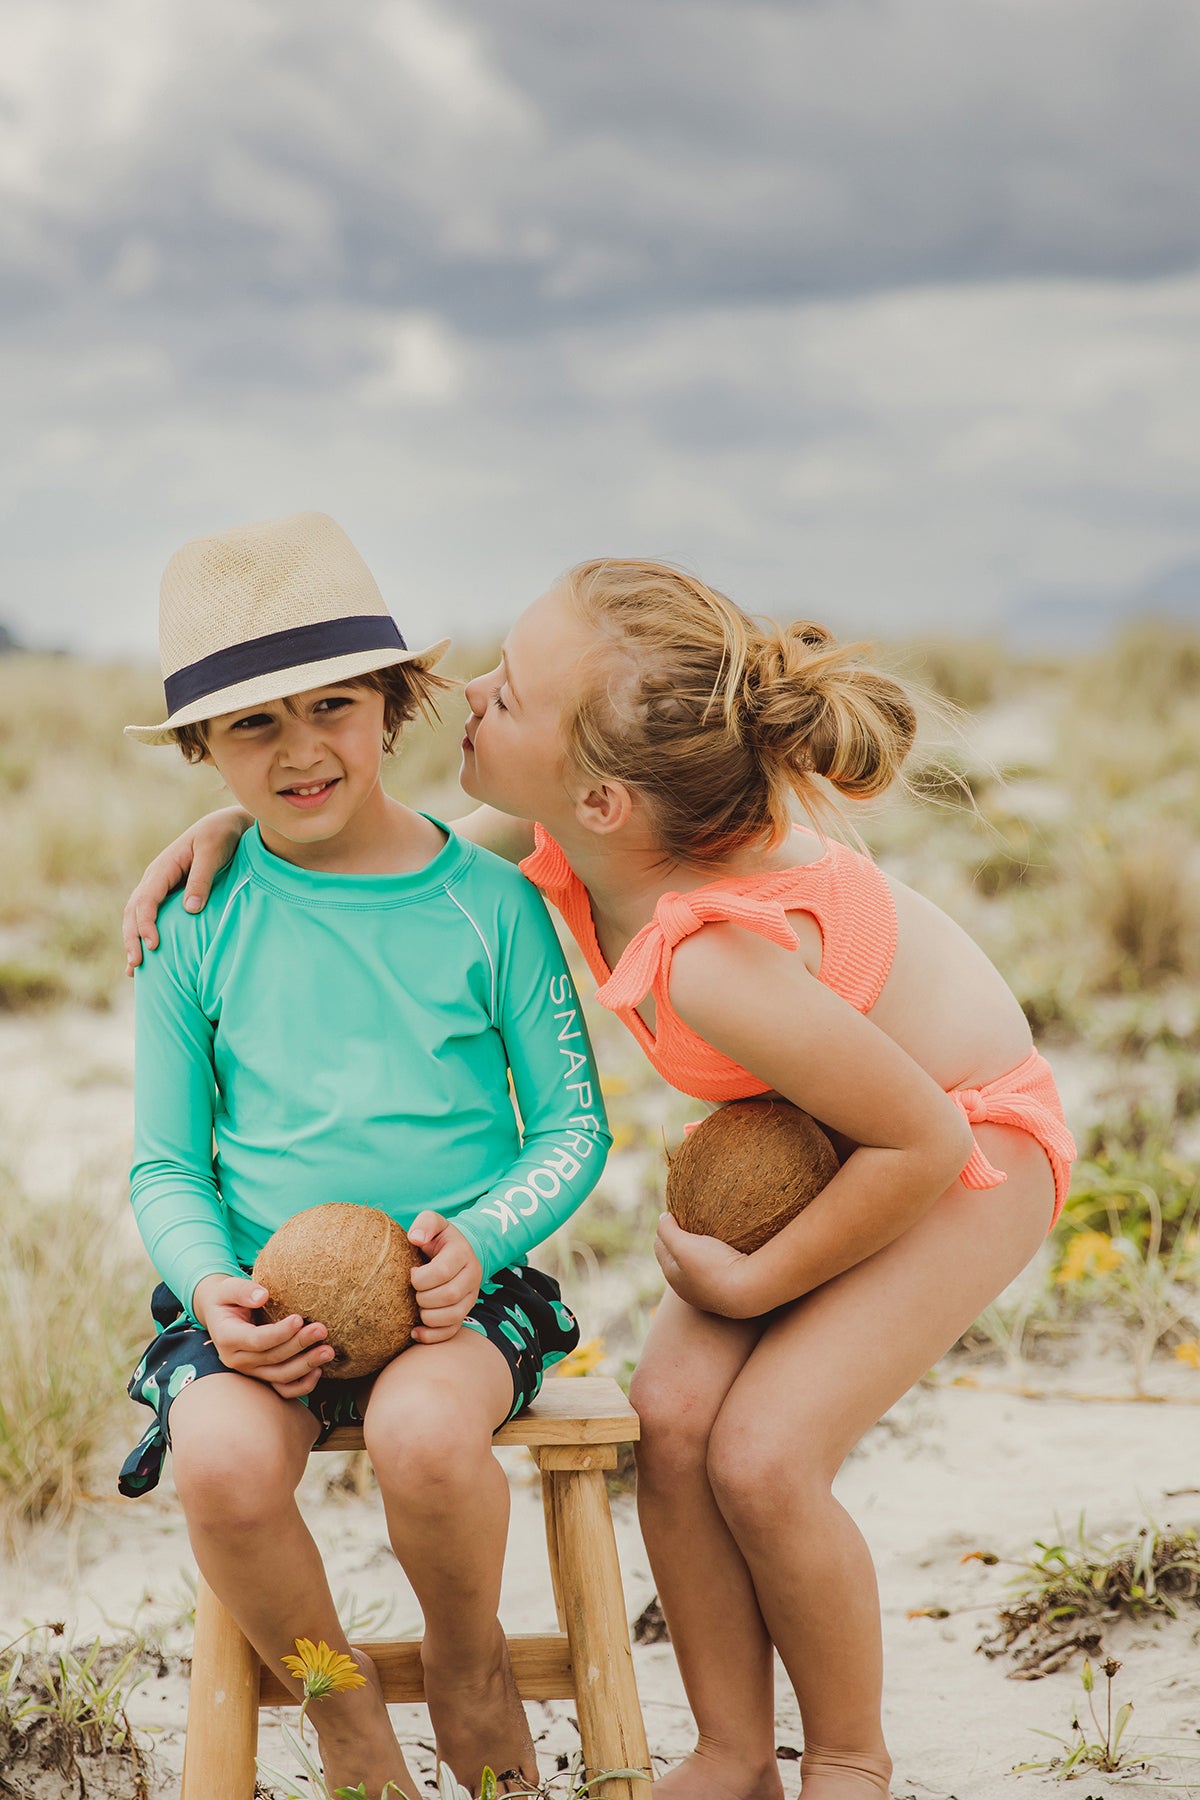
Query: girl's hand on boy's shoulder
point(447, 1284)
point(709, 1274)
point(289, 1356)
point(197, 854)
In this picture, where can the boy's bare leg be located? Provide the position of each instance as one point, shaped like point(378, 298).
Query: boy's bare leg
point(239, 1452)
point(726, 1658)
point(429, 1425)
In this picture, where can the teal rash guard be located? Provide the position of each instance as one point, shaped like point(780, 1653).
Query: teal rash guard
point(312, 1037)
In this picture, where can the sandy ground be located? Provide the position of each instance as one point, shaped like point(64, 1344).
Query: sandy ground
point(951, 1470)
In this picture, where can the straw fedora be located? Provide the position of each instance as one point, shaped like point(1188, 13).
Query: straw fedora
point(267, 610)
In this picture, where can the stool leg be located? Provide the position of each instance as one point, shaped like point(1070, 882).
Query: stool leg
point(610, 1715)
point(222, 1721)
point(551, 1515)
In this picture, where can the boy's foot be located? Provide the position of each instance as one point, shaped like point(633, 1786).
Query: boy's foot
point(478, 1718)
point(357, 1742)
point(705, 1776)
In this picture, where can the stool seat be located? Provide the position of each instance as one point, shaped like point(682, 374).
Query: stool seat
point(572, 1429)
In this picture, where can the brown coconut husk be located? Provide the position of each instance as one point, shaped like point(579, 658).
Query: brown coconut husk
point(748, 1169)
point(348, 1267)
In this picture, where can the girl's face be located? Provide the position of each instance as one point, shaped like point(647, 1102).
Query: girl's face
point(513, 753)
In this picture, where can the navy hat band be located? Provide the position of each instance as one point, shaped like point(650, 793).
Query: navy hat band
point(278, 650)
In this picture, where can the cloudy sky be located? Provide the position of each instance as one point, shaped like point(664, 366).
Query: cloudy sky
point(885, 312)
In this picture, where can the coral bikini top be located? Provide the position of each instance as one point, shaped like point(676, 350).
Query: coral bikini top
point(843, 891)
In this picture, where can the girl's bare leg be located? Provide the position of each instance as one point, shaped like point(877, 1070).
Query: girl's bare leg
point(687, 1367)
point(429, 1425)
point(239, 1452)
point(821, 1375)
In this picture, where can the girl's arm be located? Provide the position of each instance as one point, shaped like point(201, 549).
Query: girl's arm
point(199, 853)
point(496, 831)
point(564, 1131)
point(769, 1013)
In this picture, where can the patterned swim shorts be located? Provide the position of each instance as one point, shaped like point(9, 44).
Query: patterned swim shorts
point(519, 1310)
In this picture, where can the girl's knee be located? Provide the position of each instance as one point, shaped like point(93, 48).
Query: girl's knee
point(676, 1419)
point(765, 1481)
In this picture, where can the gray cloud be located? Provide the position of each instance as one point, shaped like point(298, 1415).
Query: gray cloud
point(512, 166)
point(882, 308)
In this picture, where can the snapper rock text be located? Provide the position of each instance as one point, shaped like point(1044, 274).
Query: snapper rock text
point(546, 1179)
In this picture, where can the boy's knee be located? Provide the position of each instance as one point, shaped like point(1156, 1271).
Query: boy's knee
point(234, 1482)
point(420, 1441)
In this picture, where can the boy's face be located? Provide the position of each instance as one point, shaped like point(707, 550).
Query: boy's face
point(305, 766)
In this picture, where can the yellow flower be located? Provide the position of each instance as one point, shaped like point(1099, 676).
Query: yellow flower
point(583, 1359)
point(322, 1670)
point(1089, 1253)
point(1189, 1353)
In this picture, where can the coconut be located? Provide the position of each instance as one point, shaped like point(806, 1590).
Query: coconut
point(348, 1267)
point(747, 1169)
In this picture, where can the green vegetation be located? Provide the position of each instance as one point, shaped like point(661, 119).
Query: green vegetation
point(63, 1709)
point(1085, 1583)
point(1079, 1750)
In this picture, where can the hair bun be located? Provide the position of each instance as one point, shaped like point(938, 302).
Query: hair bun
point(719, 721)
point(811, 707)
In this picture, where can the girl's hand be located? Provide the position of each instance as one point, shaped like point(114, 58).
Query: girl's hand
point(709, 1274)
point(447, 1286)
point(288, 1356)
point(198, 853)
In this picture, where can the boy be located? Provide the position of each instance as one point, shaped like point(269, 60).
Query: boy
point(342, 1020)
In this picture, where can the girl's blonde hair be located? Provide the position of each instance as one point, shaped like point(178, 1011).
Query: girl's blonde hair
point(718, 719)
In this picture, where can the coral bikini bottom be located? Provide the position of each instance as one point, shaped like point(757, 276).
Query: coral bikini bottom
point(1027, 1098)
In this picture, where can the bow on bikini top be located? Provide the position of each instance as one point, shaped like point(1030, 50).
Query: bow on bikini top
point(843, 891)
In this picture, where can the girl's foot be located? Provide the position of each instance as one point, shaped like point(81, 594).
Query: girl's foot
point(708, 1774)
point(478, 1718)
point(356, 1739)
point(844, 1774)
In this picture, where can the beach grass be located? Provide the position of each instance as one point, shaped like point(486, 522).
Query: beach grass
point(1070, 856)
point(73, 1318)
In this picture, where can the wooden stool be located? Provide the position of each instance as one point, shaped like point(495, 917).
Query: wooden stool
point(573, 1429)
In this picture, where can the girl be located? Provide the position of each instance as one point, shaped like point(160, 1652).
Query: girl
point(657, 734)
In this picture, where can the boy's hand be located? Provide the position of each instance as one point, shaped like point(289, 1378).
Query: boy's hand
point(199, 853)
point(447, 1286)
point(709, 1274)
point(288, 1356)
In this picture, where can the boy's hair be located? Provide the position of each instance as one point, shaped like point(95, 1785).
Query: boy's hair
point(718, 719)
point(406, 690)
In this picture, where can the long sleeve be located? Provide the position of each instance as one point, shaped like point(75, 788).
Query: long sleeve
point(565, 1136)
point(172, 1187)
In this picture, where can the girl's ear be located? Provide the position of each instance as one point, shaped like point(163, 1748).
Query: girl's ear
point(604, 808)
